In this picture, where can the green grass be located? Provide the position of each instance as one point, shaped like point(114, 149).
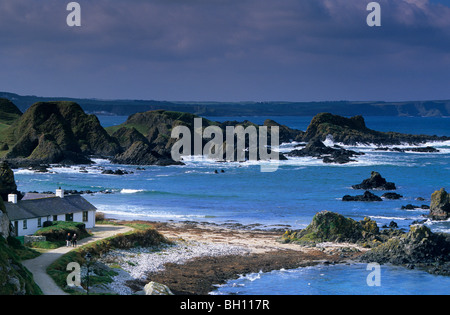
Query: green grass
point(143, 129)
point(56, 234)
point(12, 252)
point(142, 235)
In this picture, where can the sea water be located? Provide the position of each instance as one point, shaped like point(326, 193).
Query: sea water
point(287, 198)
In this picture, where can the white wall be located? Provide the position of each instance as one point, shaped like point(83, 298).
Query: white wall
point(32, 223)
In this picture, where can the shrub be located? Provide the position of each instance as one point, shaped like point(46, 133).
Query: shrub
point(58, 231)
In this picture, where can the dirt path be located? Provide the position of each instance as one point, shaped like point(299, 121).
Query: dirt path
point(38, 266)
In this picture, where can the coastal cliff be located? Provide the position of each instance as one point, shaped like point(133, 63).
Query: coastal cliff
point(61, 132)
point(56, 132)
point(352, 131)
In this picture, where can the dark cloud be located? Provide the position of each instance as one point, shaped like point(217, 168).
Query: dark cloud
point(227, 49)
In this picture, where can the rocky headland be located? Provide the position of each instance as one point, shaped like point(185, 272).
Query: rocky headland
point(62, 133)
point(417, 248)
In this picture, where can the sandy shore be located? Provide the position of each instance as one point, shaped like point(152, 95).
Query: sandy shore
point(209, 255)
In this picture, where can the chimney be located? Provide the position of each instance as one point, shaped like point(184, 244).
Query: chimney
point(12, 198)
point(60, 193)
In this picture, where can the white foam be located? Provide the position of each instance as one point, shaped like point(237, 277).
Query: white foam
point(131, 191)
point(387, 218)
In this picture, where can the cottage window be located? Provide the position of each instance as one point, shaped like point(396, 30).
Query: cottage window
point(39, 222)
point(85, 216)
point(69, 217)
point(25, 224)
point(55, 218)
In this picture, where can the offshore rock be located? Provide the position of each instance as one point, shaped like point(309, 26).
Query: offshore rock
point(376, 181)
point(367, 196)
point(440, 205)
point(316, 148)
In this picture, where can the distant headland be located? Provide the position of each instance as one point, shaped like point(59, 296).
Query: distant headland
point(422, 108)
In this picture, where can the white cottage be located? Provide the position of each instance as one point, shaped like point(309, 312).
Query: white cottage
point(29, 214)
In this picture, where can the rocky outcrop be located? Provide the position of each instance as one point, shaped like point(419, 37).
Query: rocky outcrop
point(376, 181)
point(391, 196)
point(427, 149)
point(419, 248)
point(440, 205)
point(316, 148)
point(127, 136)
point(146, 137)
point(155, 288)
point(57, 132)
point(352, 131)
point(286, 134)
point(141, 153)
point(367, 196)
point(7, 181)
point(328, 226)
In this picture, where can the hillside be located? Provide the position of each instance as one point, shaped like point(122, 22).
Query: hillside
point(353, 130)
point(146, 137)
point(56, 132)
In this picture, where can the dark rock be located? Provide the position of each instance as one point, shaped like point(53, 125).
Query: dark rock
point(416, 149)
point(352, 131)
point(140, 153)
point(329, 226)
point(286, 134)
point(415, 222)
point(423, 149)
point(126, 136)
point(419, 247)
point(7, 182)
point(440, 205)
point(393, 225)
point(367, 196)
point(392, 196)
point(316, 148)
point(116, 172)
point(376, 181)
point(409, 207)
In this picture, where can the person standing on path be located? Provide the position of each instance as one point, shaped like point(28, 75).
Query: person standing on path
point(68, 239)
point(74, 240)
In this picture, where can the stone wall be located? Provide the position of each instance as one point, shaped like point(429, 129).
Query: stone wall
point(4, 224)
point(31, 239)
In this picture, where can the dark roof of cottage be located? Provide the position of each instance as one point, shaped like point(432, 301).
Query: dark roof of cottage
point(36, 208)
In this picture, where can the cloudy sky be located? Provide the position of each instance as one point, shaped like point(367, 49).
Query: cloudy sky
point(227, 50)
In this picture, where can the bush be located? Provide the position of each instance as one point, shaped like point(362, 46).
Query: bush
point(14, 242)
point(58, 231)
point(99, 216)
point(47, 224)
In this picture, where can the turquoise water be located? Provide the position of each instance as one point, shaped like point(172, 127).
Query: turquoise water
point(338, 280)
point(290, 196)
